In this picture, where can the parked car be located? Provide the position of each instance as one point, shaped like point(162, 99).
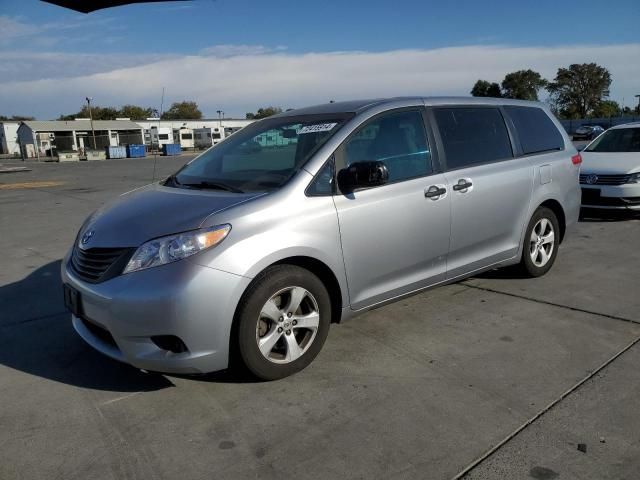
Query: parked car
point(587, 132)
point(610, 176)
point(245, 256)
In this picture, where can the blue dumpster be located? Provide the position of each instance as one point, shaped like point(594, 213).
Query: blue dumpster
point(135, 151)
point(116, 152)
point(170, 149)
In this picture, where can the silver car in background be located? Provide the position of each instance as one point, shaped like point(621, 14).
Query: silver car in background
point(246, 255)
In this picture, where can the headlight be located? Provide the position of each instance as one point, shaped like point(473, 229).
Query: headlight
point(635, 178)
point(175, 247)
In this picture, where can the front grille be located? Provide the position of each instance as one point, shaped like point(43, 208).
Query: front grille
point(96, 265)
point(605, 179)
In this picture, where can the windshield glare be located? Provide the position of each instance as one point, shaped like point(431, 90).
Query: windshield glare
point(617, 140)
point(262, 156)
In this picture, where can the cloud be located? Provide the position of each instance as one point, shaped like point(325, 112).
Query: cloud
point(12, 28)
point(225, 51)
point(245, 81)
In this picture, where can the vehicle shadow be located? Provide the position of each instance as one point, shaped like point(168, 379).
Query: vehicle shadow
point(36, 337)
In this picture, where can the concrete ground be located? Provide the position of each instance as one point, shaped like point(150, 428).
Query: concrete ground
point(424, 388)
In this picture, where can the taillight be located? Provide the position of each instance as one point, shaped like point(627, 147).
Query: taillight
point(576, 159)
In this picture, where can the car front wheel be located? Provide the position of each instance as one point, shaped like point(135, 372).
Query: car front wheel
point(282, 322)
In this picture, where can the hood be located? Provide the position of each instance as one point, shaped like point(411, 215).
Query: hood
point(154, 211)
point(610, 163)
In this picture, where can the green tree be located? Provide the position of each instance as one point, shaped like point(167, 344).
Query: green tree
point(263, 113)
point(15, 118)
point(523, 84)
point(578, 90)
point(482, 88)
point(607, 108)
point(135, 112)
point(185, 110)
point(97, 112)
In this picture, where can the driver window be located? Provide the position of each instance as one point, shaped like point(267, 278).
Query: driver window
point(397, 139)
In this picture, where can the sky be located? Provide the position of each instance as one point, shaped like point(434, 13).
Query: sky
point(239, 55)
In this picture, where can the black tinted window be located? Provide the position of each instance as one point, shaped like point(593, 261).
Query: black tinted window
point(473, 135)
point(535, 129)
point(397, 139)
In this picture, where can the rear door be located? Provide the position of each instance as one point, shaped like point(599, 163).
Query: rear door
point(490, 188)
point(394, 238)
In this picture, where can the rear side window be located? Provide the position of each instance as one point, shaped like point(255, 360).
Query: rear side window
point(536, 131)
point(473, 135)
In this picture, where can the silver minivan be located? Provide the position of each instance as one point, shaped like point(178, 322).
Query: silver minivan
point(247, 254)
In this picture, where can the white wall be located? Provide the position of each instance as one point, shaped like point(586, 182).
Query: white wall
point(192, 124)
point(9, 138)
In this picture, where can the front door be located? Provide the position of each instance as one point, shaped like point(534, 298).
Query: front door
point(394, 237)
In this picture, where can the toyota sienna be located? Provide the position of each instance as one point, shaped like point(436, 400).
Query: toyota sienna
point(249, 252)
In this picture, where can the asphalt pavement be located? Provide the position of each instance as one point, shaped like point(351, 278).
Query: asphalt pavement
point(493, 377)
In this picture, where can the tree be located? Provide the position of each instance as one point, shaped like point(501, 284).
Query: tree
point(523, 84)
point(579, 89)
point(185, 110)
point(482, 88)
point(135, 112)
point(607, 108)
point(97, 112)
point(263, 113)
point(15, 118)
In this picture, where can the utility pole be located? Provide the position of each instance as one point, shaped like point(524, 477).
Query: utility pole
point(638, 108)
point(93, 132)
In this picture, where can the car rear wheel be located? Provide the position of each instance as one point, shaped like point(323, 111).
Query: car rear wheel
point(282, 322)
point(540, 243)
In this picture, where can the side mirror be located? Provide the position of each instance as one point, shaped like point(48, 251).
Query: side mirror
point(363, 175)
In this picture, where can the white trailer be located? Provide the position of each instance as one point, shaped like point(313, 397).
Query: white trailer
point(160, 136)
point(206, 136)
point(184, 136)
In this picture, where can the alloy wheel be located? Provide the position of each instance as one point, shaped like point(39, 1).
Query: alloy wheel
point(287, 325)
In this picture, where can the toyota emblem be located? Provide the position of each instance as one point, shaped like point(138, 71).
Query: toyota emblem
point(592, 179)
point(86, 237)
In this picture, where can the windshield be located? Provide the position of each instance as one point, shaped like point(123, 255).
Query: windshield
point(260, 157)
point(617, 140)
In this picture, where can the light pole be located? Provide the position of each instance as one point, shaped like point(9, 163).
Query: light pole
point(638, 107)
point(220, 116)
point(93, 132)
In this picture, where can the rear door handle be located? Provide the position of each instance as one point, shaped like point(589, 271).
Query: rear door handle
point(434, 192)
point(463, 184)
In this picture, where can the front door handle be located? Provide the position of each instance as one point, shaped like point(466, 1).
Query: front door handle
point(434, 191)
point(463, 184)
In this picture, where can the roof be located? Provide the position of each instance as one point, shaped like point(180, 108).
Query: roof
point(70, 125)
point(359, 106)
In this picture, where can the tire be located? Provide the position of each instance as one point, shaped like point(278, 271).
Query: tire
point(541, 243)
point(267, 326)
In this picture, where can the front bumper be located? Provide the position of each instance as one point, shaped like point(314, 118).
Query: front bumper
point(615, 197)
point(194, 303)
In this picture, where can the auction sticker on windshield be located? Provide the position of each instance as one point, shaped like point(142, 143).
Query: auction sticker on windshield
point(320, 127)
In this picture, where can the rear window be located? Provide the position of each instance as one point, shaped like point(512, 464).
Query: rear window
point(617, 140)
point(473, 135)
point(536, 131)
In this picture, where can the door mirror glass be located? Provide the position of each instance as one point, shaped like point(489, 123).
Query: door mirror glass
point(363, 175)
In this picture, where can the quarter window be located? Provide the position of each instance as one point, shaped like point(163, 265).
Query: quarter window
point(473, 135)
point(397, 139)
point(536, 131)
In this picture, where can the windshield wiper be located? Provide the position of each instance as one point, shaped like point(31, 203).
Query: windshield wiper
point(205, 184)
